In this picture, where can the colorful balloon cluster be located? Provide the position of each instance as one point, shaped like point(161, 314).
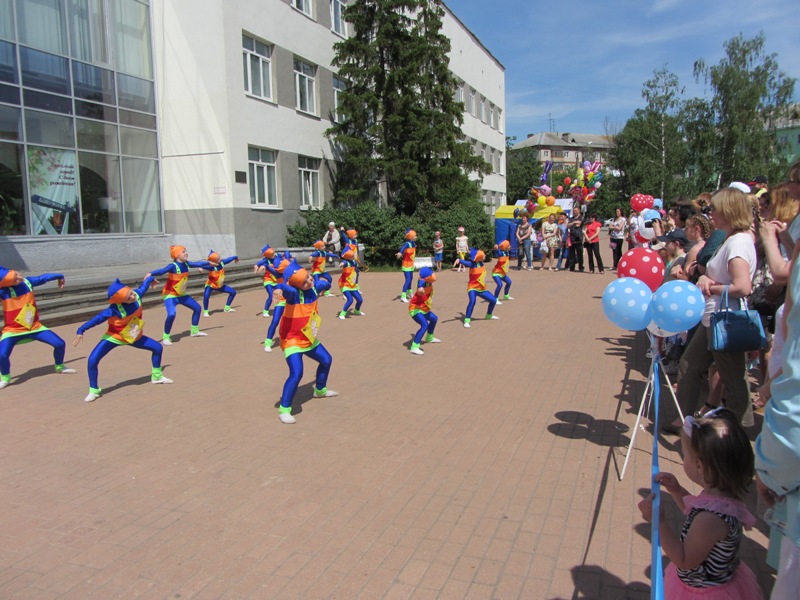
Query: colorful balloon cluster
point(674, 307)
point(587, 181)
point(643, 264)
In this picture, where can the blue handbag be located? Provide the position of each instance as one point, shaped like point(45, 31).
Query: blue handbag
point(735, 330)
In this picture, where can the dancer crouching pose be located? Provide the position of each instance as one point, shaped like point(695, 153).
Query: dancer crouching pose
point(216, 281)
point(407, 253)
point(348, 283)
point(317, 260)
point(500, 270)
point(476, 286)
point(420, 310)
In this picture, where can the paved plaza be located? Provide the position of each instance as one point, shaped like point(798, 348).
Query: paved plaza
point(485, 469)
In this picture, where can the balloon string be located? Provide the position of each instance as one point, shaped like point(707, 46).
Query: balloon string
point(656, 571)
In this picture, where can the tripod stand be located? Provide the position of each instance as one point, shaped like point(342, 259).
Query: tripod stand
point(647, 397)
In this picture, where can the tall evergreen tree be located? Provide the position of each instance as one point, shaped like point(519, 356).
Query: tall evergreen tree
point(398, 139)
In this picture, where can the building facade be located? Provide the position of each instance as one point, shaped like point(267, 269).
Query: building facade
point(129, 125)
point(567, 150)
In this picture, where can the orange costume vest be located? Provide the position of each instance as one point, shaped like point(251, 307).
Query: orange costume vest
point(347, 280)
point(421, 303)
point(20, 312)
point(409, 252)
point(299, 327)
point(176, 282)
point(127, 328)
point(216, 278)
point(477, 279)
point(318, 265)
point(501, 266)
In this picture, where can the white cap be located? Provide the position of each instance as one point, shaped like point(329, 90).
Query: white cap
point(742, 187)
point(331, 223)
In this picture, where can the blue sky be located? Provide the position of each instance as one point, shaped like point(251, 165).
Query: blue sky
point(583, 63)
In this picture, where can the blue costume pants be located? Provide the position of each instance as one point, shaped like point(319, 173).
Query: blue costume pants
point(295, 362)
point(46, 336)
point(409, 275)
point(500, 281)
point(276, 320)
point(269, 289)
point(427, 323)
point(225, 289)
point(349, 297)
point(486, 295)
point(189, 302)
point(323, 275)
point(104, 347)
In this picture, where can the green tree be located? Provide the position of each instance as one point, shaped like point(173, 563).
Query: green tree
point(749, 92)
point(398, 139)
point(523, 170)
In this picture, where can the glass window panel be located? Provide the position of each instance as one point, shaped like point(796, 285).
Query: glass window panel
point(255, 74)
point(6, 20)
point(42, 24)
point(95, 111)
point(141, 200)
point(47, 128)
point(47, 102)
point(253, 153)
point(137, 142)
point(101, 194)
point(53, 189)
point(136, 93)
point(93, 83)
point(9, 94)
point(10, 123)
point(44, 71)
point(248, 42)
point(87, 19)
point(12, 199)
point(131, 33)
point(96, 136)
point(8, 62)
point(127, 117)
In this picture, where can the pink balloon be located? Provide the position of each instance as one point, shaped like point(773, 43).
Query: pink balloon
point(642, 264)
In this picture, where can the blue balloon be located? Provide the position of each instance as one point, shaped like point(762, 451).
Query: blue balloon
point(651, 214)
point(626, 303)
point(678, 306)
point(658, 203)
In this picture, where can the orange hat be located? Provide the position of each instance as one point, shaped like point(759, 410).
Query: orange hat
point(118, 292)
point(352, 233)
point(213, 257)
point(175, 250)
point(504, 245)
point(319, 244)
point(282, 265)
point(347, 254)
point(7, 277)
point(268, 251)
point(410, 234)
point(298, 278)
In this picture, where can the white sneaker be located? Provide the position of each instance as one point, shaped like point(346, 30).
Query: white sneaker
point(166, 342)
point(492, 317)
point(91, 397)
point(342, 317)
point(467, 325)
point(498, 303)
point(267, 348)
point(360, 313)
point(286, 418)
point(265, 314)
point(228, 309)
point(509, 298)
point(205, 313)
point(417, 351)
point(404, 299)
point(67, 371)
point(326, 394)
point(199, 334)
point(433, 341)
point(161, 379)
point(4, 384)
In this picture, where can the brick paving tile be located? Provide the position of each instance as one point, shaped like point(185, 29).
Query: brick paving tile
point(485, 468)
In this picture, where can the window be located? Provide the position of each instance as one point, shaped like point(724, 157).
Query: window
point(304, 87)
point(500, 120)
point(263, 178)
point(482, 109)
point(89, 36)
point(338, 24)
point(309, 181)
point(491, 160)
point(256, 64)
point(459, 92)
point(499, 167)
point(304, 6)
point(471, 104)
point(492, 123)
point(339, 85)
point(546, 153)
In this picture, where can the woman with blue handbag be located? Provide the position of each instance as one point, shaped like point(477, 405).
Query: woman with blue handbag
point(729, 272)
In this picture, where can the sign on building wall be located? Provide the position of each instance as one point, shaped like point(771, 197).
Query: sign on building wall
point(53, 184)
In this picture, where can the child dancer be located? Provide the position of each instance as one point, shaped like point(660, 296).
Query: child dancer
point(705, 557)
point(125, 327)
point(407, 252)
point(500, 270)
point(438, 250)
point(22, 320)
point(348, 283)
point(317, 260)
point(299, 329)
point(279, 265)
point(477, 284)
point(216, 279)
point(420, 310)
point(462, 247)
point(174, 292)
point(270, 277)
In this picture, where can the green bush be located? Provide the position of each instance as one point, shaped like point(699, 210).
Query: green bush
point(382, 231)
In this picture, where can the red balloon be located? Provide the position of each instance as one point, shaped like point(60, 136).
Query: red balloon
point(640, 202)
point(567, 180)
point(560, 189)
point(642, 264)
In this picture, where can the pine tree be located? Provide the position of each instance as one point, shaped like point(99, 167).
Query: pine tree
point(398, 139)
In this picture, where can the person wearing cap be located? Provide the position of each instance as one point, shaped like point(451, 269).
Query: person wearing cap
point(476, 286)
point(462, 247)
point(216, 281)
point(420, 309)
point(500, 270)
point(407, 253)
point(298, 332)
point(348, 284)
point(125, 328)
point(438, 250)
point(351, 243)
point(759, 185)
point(278, 267)
point(332, 240)
point(317, 260)
point(674, 255)
point(22, 320)
point(174, 292)
point(270, 276)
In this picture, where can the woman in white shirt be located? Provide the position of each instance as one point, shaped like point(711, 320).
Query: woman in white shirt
point(732, 267)
point(617, 235)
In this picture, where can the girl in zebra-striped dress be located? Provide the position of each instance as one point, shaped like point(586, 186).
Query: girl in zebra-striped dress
point(705, 556)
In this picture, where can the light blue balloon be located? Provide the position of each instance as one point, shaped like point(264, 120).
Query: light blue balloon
point(651, 214)
point(626, 303)
point(678, 306)
point(658, 203)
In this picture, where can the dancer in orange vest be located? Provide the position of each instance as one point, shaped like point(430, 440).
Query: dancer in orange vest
point(216, 281)
point(500, 270)
point(420, 310)
point(407, 253)
point(348, 284)
point(22, 320)
point(477, 284)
